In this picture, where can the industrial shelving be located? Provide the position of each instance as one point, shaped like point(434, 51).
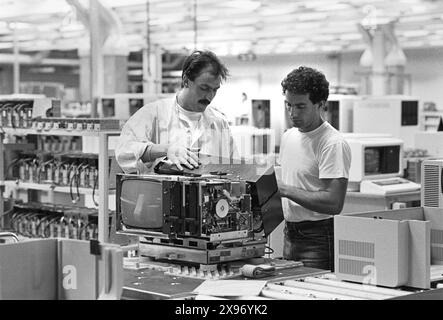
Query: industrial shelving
point(430, 120)
point(103, 172)
point(46, 187)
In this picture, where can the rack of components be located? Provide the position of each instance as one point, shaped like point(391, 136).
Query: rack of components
point(19, 112)
point(77, 172)
point(67, 126)
point(55, 167)
point(45, 114)
point(45, 220)
point(80, 124)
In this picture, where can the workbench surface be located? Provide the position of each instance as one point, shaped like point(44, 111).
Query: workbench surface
point(154, 284)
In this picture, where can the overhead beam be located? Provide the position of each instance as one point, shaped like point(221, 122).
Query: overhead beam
point(6, 58)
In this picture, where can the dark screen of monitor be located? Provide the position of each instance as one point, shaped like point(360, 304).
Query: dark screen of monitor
point(409, 113)
point(135, 105)
point(108, 106)
point(141, 203)
point(333, 113)
point(382, 160)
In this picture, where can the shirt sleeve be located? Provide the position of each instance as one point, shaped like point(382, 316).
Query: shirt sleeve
point(135, 137)
point(335, 161)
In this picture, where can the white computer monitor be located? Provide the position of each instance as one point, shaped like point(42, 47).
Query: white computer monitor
point(339, 112)
point(397, 115)
point(374, 157)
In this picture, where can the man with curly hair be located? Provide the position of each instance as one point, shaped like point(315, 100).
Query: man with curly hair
point(315, 161)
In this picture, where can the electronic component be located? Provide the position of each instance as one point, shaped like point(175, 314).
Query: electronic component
point(388, 186)
point(432, 183)
point(339, 113)
point(257, 271)
point(374, 157)
point(11, 157)
point(69, 169)
point(207, 219)
point(402, 121)
point(389, 248)
point(18, 112)
point(80, 124)
point(44, 220)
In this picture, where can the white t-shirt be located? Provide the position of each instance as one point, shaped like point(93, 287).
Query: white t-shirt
point(191, 124)
point(307, 157)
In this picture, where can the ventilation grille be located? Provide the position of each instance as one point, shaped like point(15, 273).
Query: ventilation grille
point(356, 249)
point(354, 267)
point(436, 236)
point(430, 186)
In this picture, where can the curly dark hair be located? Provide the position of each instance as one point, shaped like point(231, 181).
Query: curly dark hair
point(198, 60)
point(305, 80)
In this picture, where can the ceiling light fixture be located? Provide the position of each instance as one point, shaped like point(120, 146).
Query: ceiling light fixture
point(438, 43)
point(335, 7)
point(415, 33)
point(275, 11)
point(243, 4)
point(350, 36)
point(311, 16)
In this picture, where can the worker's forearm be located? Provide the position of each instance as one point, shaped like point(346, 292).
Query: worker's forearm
point(154, 152)
point(318, 201)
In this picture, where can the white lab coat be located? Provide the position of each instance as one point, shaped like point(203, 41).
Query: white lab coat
point(159, 123)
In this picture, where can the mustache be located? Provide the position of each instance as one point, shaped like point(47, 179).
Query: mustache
point(204, 101)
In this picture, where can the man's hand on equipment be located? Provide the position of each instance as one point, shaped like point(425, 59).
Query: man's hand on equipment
point(180, 155)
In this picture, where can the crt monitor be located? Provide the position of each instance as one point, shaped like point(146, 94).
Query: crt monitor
point(339, 111)
point(397, 115)
point(182, 204)
point(142, 196)
point(381, 160)
point(376, 157)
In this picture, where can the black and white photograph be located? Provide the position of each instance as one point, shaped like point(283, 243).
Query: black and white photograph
point(215, 159)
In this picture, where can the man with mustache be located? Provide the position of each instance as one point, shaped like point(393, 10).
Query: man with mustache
point(180, 127)
point(315, 161)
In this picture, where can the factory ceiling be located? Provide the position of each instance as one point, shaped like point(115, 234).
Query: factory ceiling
point(229, 27)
